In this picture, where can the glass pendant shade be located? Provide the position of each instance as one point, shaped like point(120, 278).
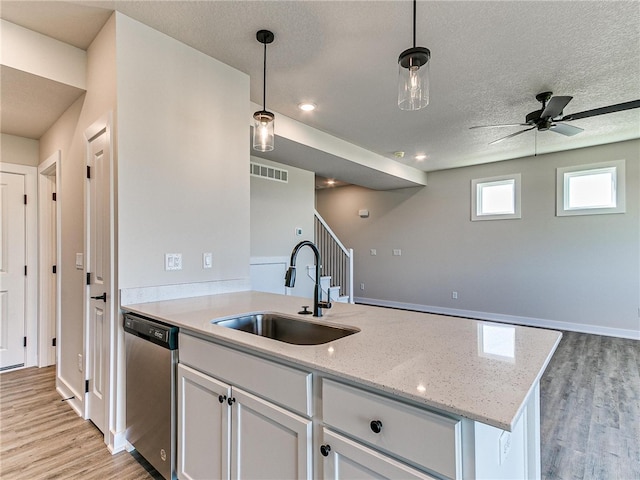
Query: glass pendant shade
point(263, 132)
point(413, 78)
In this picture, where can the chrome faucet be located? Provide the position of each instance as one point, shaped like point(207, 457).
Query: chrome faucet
point(290, 277)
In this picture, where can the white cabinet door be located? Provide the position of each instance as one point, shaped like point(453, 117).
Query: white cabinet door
point(203, 426)
point(346, 459)
point(268, 441)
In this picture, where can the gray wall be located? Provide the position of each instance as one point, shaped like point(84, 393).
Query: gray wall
point(277, 209)
point(580, 272)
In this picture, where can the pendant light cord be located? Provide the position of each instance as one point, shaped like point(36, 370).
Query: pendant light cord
point(264, 80)
point(414, 23)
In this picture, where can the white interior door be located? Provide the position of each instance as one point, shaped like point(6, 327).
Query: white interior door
point(12, 270)
point(98, 256)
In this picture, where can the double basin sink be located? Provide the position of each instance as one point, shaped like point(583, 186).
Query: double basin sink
point(286, 329)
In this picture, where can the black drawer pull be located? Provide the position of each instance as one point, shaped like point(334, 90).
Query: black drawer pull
point(376, 426)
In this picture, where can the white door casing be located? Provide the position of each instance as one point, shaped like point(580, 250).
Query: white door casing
point(49, 245)
point(98, 270)
point(13, 261)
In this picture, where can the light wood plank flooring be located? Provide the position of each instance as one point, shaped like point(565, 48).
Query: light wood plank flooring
point(590, 425)
point(41, 437)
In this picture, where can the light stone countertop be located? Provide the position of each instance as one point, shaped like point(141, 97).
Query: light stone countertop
point(480, 370)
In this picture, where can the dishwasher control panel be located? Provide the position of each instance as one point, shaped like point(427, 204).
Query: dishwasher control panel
point(160, 334)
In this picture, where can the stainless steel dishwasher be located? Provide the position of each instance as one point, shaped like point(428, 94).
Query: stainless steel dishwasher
point(152, 354)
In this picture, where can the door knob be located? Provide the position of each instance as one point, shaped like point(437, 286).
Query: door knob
point(102, 297)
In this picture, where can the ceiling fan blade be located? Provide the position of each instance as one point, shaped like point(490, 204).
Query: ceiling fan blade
point(512, 135)
point(564, 129)
point(555, 107)
point(619, 107)
point(501, 125)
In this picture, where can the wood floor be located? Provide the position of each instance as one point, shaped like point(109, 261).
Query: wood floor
point(590, 409)
point(41, 437)
point(590, 425)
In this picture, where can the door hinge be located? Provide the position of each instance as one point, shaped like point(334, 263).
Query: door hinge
point(86, 386)
point(53, 342)
point(54, 269)
point(53, 196)
point(25, 270)
point(88, 278)
point(24, 342)
point(88, 171)
point(25, 199)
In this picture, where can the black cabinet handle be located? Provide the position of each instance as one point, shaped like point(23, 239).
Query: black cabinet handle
point(376, 426)
point(231, 401)
point(102, 297)
point(325, 449)
point(222, 398)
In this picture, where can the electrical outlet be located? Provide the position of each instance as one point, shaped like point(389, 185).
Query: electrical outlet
point(397, 252)
point(80, 362)
point(504, 444)
point(454, 295)
point(362, 286)
point(373, 252)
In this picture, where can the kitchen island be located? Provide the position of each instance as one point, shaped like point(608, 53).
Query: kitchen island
point(482, 376)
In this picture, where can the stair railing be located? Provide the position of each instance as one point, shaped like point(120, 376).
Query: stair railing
point(337, 260)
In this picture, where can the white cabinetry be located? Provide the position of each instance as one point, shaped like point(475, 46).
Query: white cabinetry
point(203, 426)
point(415, 435)
point(346, 459)
point(225, 431)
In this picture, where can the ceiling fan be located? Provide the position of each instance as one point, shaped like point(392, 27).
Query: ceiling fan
point(550, 114)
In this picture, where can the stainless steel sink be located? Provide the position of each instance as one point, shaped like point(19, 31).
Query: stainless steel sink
point(287, 329)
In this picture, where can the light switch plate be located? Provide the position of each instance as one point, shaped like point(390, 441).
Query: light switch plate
point(173, 261)
point(207, 260)
point(79, 261)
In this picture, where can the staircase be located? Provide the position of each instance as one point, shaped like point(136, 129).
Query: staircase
point(337, 263)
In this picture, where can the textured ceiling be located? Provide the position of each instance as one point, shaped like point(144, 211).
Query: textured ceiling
point(489, 59)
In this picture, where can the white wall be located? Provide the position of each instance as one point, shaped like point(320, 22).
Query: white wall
point(183, 161)
point(580, 272)
point(67, 135)
point(277, 209)
point(20, 150)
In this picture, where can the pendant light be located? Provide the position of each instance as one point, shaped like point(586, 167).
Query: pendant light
point(263, 134)
point(413, 78)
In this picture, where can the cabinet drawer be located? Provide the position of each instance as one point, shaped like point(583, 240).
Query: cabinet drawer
point(283, 385)
point(420, 436)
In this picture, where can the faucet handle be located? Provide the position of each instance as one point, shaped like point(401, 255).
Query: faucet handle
point(325, 305)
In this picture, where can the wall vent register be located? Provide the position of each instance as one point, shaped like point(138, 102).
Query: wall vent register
point(269, 173)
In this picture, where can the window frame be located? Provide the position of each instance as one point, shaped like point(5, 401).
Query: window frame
point(478, 184)
point(563, 175)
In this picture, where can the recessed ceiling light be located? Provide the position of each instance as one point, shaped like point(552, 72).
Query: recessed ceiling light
point(420, 156)
point(307, 107)
point(331, 181)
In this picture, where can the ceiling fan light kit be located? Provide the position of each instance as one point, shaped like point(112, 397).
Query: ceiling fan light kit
point(413, 74)
point(551, 113)
point(263, 125)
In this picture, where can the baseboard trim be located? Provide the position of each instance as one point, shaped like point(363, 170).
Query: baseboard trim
point(119, 442)
point(511, 319)
point(67, 392)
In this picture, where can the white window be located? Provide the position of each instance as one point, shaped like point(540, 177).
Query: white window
point(590, 189)
point(495, 198)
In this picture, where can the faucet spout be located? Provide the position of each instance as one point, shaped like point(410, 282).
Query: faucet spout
point(290, 276)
